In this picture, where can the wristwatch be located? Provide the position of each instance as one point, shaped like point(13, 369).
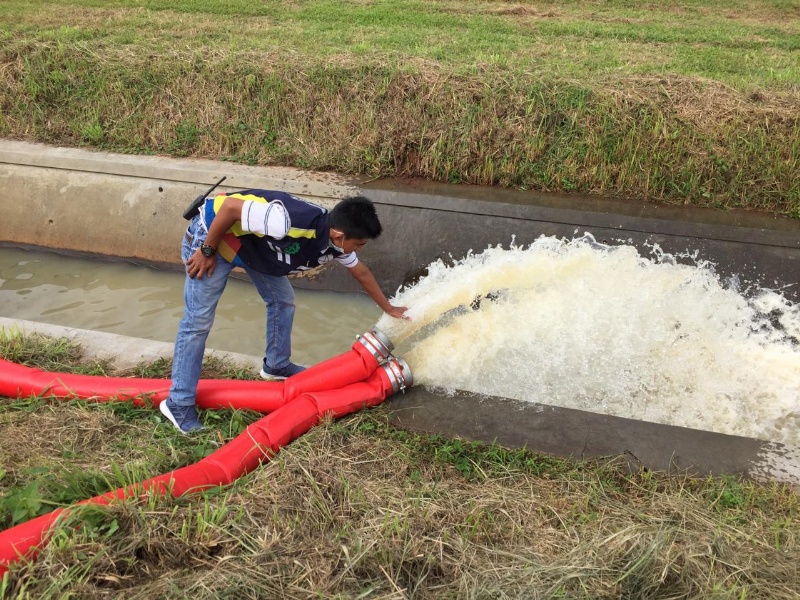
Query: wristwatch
point(208, 250)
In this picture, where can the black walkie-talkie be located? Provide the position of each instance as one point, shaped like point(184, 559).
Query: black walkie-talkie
point(194, 207)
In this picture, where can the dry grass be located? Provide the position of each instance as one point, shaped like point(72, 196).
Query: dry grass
point(343, 513)
point(356, 508)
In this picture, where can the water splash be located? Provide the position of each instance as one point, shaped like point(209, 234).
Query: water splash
point(577, 324)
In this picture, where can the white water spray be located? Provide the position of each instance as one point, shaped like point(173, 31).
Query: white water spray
point(581, 325)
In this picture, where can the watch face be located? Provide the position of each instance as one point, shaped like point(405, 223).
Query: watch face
point(207, 250)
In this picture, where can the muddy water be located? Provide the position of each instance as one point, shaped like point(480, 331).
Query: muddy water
point(122, 298)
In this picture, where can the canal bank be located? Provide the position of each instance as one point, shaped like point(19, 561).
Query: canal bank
point(129, 207)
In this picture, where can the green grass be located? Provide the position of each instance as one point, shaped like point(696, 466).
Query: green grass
point(358, 508)
point(456, 33)
point(691, 102)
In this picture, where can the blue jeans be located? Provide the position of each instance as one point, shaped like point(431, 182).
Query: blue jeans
point(201, 295)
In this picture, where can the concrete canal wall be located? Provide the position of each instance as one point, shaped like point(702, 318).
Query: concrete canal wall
point(130, 207)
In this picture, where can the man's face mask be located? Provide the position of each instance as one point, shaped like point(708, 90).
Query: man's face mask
point(336, 246)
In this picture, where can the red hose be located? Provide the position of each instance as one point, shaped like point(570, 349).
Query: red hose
point(18, 381)
point(354, 381)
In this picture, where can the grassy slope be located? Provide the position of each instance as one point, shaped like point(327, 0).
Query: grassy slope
point(694, 103)
point(357, 509)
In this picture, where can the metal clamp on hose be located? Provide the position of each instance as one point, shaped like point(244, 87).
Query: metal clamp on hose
point(377, 343)
point(399, 374)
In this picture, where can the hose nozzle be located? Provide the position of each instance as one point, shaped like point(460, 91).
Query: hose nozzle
point(377, 343)
point(399, 374)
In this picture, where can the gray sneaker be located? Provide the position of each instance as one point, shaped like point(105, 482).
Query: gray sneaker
point(184, 418)
point(282, 373)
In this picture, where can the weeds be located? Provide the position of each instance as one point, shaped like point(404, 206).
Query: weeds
point(48, 354)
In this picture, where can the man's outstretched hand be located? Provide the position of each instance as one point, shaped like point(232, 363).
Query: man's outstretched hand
point(398, 312)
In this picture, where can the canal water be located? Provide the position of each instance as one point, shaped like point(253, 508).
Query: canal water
point(134, 300)
point(568, 323)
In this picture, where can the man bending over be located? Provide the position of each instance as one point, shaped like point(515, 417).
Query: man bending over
point(270, 234)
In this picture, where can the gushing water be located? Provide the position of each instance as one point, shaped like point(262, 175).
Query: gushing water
point(581, 325)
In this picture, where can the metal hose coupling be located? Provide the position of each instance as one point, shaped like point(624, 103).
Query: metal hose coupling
point(377, 343)
point(399, 374)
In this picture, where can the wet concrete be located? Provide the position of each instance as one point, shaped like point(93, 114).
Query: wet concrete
point(130, 207)
point(583, 435)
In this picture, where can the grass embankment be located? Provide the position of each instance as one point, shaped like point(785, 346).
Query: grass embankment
point(694, 102)
point(358, 509)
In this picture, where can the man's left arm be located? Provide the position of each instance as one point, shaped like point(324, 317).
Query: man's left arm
point(367, 281)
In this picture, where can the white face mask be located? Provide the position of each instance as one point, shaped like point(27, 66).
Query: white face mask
point(335, 247)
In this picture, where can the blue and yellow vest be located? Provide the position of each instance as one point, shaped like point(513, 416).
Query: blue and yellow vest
point(306, 243)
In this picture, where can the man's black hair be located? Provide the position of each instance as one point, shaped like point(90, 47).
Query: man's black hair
point(356, 218)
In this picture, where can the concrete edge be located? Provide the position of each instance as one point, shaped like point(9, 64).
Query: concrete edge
point(201, 172)
point(66, 198)
point(127, 351)
point(579, 218)
point(581, 435)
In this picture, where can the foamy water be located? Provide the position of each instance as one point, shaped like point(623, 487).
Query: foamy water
point(580, 325)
